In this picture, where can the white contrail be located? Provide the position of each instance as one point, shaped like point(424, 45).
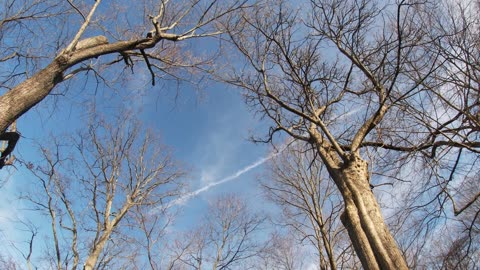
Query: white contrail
point(185, 198)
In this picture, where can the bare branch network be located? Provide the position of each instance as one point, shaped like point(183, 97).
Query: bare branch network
point(379, 99)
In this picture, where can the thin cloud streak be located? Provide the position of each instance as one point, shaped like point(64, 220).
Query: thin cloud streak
point(185, 198)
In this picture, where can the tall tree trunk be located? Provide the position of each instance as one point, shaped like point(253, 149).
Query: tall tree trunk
point(107, 231)
point(20, 99)
point(371, 238)
point(96, 250)
point(27, 94)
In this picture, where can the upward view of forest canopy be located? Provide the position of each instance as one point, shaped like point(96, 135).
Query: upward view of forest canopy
point(367, 113)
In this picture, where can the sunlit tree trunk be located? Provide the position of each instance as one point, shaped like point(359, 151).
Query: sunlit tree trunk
point(371, 238)
point(165, 18)
point(24, 96)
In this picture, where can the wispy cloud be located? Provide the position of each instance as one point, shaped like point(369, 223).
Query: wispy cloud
point(185, 198)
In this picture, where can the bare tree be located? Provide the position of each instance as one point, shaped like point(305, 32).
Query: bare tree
point(455, 255)
point(153, 225)
point(443, 197)
point(354, 79)
point(459, 248)
point(8, 263)
point(91, 192)
point(310, 204)
point(24, 248)
point(224, 240)
point(32, 71)
point(187, 251)
point(460, 50)
point(282, 252)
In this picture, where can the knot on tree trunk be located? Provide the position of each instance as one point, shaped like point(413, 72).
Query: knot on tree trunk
point(356, 168)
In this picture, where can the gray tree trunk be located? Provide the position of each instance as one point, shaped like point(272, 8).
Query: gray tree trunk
point(30, 92)
point(27, 94)
point(371, 238)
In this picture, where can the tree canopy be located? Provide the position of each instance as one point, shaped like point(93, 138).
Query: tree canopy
point(372, 109)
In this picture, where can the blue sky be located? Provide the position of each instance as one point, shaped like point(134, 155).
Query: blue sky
point(207, 130)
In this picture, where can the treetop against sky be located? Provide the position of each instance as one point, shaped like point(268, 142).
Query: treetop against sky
point(362, 86)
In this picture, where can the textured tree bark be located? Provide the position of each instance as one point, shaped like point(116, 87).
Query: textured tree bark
point(27, 94)
point(372, 240)
point(370, 236)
